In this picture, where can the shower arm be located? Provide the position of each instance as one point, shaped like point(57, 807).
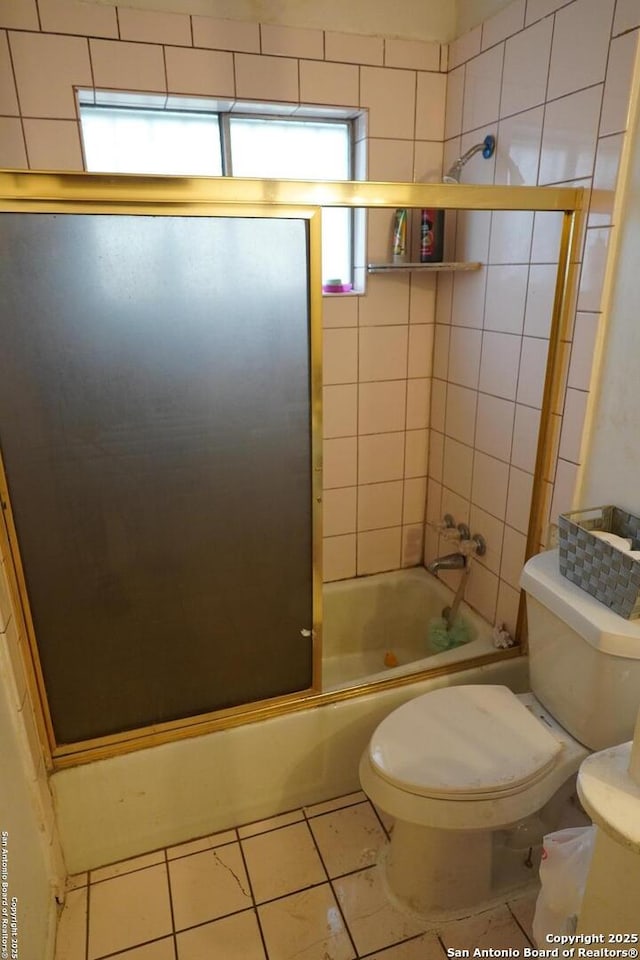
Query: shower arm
point(487, 146)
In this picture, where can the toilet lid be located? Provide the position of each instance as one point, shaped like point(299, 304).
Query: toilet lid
point(463, 742)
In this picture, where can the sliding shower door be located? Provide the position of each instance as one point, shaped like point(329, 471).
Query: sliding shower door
point(155, 423)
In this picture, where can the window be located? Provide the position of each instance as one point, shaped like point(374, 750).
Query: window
point(131, 137)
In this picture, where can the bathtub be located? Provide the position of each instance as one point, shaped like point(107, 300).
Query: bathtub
point(368, 618)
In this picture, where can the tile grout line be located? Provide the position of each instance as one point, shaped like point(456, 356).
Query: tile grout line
point(254, 904)
point(171, 910)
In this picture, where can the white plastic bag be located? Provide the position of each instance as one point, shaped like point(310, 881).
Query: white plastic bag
point(566, 856)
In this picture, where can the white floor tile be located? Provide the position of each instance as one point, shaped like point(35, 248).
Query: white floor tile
point(158, 950)
point(495, 928)
point(427, 947)
point(208, 885)
point(348, 839)
point(128, 910)
point(306, 924)
point(71, 940)
point(282, 862)
point(523, 910)
point(127, 866)
point(373, 921)
point(232, 938)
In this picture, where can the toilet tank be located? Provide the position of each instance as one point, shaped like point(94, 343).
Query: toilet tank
point(584, 660)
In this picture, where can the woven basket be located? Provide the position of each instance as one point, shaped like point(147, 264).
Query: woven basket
point(606, 573)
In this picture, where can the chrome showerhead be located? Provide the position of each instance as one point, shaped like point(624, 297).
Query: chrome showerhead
point(487, 146)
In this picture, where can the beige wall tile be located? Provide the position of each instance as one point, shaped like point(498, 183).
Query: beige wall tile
point(151, 26)
point(533, 366)
point(441, 344)
point(464, 356)
point(413, 505)
point(380, 505)
point(460, 418)
point(507, 607)
point(77, 16)
point(499, 364)
point(412, 545)
point(570, 136)
point(472, 243)
point(454, 104)
point(339, 511)
point(427, 163)
point(46, 68)
point(575, 407)
point(627, 16)
point(490, 483)
point(390, 160)
point(506, 297)
point(411, 54)
point(457, 467)
point(127, 66)
point(494, 426)
point(379, 550)
point(465, 47)
point(340, 362)
point(605, 177)
point(503, 24)
point(53, 144)
point(575, 65)
point(383, 353)
point(204, 72)
point(380, 457)
point(512, 557)
point(542, 8)
point(420, 350)
point(340, 411)
point(226, 34)
point(339, 557)
point(292, 42)
point(547, 227)
point(422, 301)
point(353, 48)
point(482, 89)
point(266, 78)
point(430, 106)
point(418, 403)
point(615, 103)
point(482, 591)
point(518, 149)
point(12, 150)
point(340, 462)
point(19, 14)
point(438, 404)
point(593, 267)
point(584, 339)
point(8, 98)
point(526, 67)
point(390, 97)
point(519, 499)
point(467, 309)
point(339, 311)
point(492, 530)
point(511, 234)
point(436, 454)
point(379, 246)
point(382, 406)
point(328, 83)
point(525, 438)
point(563, 489)
point(540, 296)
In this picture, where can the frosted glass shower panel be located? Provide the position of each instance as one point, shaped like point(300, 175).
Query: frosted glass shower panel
point(155, 429)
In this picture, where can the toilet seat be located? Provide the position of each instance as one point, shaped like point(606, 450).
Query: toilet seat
point(477, 742)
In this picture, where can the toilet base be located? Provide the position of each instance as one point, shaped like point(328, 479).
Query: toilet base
point(445, 874)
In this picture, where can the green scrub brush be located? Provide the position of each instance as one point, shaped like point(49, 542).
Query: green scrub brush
point(446, 632)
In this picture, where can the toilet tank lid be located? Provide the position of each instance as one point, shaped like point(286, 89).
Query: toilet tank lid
point(592, 620)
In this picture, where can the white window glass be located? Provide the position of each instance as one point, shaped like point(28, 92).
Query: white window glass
point(150, 141)
point(300, 150)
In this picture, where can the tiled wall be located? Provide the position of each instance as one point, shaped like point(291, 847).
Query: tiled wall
point(378, 346)
point(551, 79)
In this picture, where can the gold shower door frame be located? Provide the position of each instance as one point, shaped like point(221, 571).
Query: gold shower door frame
point(32, 192)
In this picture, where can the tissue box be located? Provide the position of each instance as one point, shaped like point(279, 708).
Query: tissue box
point(607, 574)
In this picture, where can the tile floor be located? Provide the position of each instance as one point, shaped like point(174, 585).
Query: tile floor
point(302, 885)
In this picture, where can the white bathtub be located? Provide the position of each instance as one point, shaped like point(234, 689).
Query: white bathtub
point(367, 618)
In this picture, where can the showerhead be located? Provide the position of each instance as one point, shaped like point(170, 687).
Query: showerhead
point(487, 146)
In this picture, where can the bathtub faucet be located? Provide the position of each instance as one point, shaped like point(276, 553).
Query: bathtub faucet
point(452, 561)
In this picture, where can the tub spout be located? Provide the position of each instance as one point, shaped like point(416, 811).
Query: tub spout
point(452, 561)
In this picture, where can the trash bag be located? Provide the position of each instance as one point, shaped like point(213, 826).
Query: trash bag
point(566, 856)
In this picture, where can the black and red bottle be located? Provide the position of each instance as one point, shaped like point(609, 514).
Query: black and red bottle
point(431, 236)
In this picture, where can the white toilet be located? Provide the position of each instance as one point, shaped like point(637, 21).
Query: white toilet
point(475, 775)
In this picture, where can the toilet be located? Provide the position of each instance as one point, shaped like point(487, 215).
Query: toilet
point(476, 775)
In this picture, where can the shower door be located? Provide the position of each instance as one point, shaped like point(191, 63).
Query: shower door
point(155, 423)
